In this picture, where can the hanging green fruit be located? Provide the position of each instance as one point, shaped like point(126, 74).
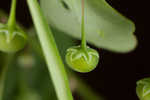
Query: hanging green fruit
point(82, 58)
point(12, 37)
point(143, 89)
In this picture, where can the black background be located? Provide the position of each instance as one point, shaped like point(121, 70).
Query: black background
point(117, 75)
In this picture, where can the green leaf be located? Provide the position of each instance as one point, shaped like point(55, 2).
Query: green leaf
point(105, 27)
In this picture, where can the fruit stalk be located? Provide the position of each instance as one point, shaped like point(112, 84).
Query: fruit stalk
point(83, 42)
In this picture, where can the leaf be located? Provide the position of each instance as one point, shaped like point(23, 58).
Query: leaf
point(105, 27)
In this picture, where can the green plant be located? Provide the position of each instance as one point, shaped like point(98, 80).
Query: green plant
point(12, 37)
point(108, 30)
point(82, 58)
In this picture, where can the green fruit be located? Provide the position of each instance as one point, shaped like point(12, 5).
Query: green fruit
point(11, 41)
point(143, 89)
point(82, 60)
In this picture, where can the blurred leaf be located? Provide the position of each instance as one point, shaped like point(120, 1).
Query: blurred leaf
point(11, 78)
point(105, 27)
point(2, 58)
point(36, 78)
point(29, 96)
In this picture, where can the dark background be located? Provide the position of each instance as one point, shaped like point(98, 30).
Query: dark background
point(117, 75)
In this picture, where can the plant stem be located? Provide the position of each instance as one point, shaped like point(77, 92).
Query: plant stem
point(12, 18)
point(83, 42)
point(4, 73)
point(53, 59)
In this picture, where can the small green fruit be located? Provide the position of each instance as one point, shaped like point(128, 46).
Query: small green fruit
point(82, 60)
point(11, 41)
point(143, 89)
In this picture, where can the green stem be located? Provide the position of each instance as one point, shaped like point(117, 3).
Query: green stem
point(83, 42)
point(12, 18)
point(4, 73)
point(53, 59)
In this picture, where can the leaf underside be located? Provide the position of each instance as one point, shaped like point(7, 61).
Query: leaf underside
point(104, 26)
